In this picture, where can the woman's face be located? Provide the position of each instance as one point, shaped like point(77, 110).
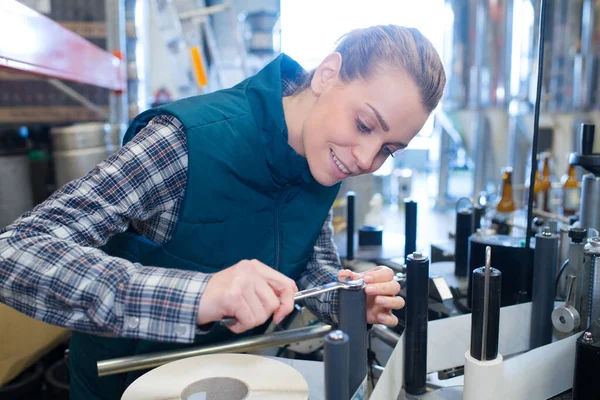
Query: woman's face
point(353, 128)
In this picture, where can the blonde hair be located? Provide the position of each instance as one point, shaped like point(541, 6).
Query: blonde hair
point(365, 51)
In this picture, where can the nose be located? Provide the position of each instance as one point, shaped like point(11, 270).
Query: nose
point(365, 154)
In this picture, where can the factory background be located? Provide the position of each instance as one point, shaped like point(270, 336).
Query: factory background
point(468, 171)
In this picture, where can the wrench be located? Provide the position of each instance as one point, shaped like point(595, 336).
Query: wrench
point(344, 283)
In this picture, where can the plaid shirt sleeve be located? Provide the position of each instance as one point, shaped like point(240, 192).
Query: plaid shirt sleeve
point(322, 268)
point(51, 269)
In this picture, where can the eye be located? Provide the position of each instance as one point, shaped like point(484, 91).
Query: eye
point(387, 150)
point(362, 127)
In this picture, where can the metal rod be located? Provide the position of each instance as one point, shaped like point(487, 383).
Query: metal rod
point(536, 123)
point(140, 362)
point(486, 300)
point(385, 334)
point(204, 11)
point(545, 214)
point(78, 97)
point(350, 225)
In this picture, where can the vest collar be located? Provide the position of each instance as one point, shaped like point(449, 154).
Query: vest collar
point(265, 94)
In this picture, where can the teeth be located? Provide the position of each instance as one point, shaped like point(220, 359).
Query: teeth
point(339, 164)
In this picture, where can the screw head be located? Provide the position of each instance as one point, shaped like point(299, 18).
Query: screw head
point(417, 256)
point(587, 337)
point(336, 335)
point(546, 231)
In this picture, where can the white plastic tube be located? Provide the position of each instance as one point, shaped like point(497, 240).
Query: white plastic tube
point(483, 379)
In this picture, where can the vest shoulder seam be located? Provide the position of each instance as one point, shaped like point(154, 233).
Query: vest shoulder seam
point(216, 122)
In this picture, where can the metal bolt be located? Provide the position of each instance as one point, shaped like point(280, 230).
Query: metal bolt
point(336, 335)
point(546, 231)
point(594, 242)
point(417, 256)
point(587, 337)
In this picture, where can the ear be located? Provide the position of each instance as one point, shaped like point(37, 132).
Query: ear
point(326, 73)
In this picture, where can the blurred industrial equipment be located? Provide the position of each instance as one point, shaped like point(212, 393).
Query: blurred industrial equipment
point(490, 56)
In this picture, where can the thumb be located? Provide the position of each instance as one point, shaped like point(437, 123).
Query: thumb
point(348, 273)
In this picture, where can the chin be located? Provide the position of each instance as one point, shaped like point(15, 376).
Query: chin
point(323, 178)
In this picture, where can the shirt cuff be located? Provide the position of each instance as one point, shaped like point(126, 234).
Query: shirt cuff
point(161, 304)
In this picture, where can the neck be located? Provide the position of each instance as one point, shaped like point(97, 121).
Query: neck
point(296, 109)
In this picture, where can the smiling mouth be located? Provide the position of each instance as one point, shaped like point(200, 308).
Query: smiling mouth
point(341, 166)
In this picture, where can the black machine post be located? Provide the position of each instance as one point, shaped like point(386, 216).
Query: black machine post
point(587, 359)
point(464, 228)
point(410, 227)
point(543, 291)
point(353, 322)
point(350, 197)
point(337, 366)
point(417, 304)
point(485, 317)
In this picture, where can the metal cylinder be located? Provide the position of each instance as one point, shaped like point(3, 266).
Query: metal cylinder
point(78, 149)
point(575, 266)
point(485, 315)
point(353, 322)
point(464, 223)
point(589, 209)
point(545, 260)
point(590, 296)
point(410, 227)
point(350, 197)
point(16, 195)
point(417, 303)
point(337, 366)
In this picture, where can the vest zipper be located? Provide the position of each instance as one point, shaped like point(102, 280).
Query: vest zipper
point(280, 200)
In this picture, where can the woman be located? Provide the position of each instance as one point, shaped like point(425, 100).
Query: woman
point(219, 206)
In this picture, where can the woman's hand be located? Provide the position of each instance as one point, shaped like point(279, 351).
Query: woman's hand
point(251, 292)
point(382, 291)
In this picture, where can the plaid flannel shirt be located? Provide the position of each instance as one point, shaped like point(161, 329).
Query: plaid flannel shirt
point(51, 268)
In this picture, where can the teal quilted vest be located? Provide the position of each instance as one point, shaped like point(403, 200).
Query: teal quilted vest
point(249, 195)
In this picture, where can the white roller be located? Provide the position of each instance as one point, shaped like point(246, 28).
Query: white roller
point(483, 379)
point(200, 378)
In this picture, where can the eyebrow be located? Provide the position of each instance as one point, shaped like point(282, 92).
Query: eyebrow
point(385, 126)
point(379, 118)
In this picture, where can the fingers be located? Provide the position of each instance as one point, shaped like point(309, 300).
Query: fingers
point(286, 305)
point(346, 272)
point(387, 319)
point(276, 280)
point(378, 274)
point(390, 303)
point(390, 288)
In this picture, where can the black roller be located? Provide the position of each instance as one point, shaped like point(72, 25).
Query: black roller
point(417, 301)
point(410, 227)
point(350, 225)
point(464, 224)
point(353, 322)
point(478, 212)
point(337, 366)
point(544, 280)
point(369, 235)
point(478, 319)
point(587, 139)
point(587, 359)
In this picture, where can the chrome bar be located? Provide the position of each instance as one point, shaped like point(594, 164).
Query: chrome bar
point(385, 334)
point(145, 361)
